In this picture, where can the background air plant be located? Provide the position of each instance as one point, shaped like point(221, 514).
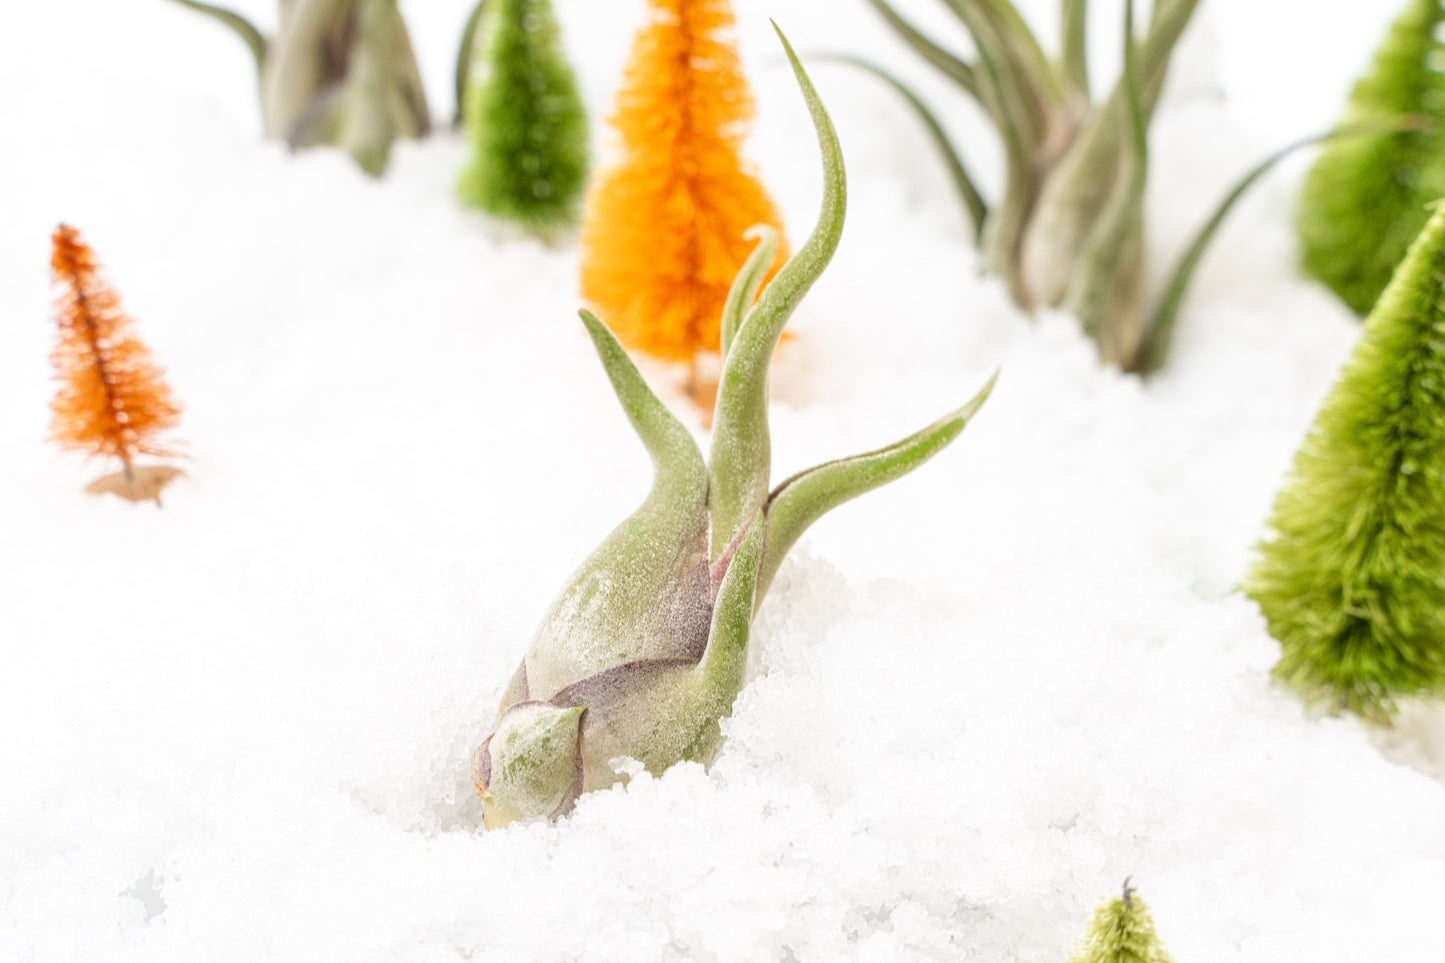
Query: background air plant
point(338, 72)
point(1069, 228)
point(645, 649)
point(1366, 198)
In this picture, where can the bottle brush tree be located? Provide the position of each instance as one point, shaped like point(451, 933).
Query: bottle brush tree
point(1068, 230)
point(1365, 199)
point(665, 231)
point(338, 72)
point(1121, 931)
point(645, 649)
point(525, 120)
point(1352, 576)
point(112, 400)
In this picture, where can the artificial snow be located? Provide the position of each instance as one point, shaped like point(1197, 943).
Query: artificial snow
point(238, 728)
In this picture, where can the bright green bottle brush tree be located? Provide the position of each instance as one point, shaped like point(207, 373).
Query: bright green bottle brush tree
point(645, 649)
point(1365, 199)
point(1352, 579)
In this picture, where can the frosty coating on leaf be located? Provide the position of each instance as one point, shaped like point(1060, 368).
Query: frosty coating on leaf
point(645, 649)
point(1366, 198)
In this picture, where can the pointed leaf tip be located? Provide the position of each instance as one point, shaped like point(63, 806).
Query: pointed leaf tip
point(741, 451)
point(748, 282)
point(675, 455)
point(806, 497)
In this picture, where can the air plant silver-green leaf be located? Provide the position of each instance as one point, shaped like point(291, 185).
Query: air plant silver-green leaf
point(463, 70)
point(254, 40)
point(968, 192)
point(645, 649)
point(338, 72)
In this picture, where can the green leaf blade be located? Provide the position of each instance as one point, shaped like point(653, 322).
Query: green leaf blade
point(801, 500)
point(254, 40)
point(968, 193)
point(741, 456)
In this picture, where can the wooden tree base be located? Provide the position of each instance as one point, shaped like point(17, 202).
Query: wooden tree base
point(140, 484)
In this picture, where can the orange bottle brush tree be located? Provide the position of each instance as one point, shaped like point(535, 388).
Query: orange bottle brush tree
point(664, 232)
point(112, 400)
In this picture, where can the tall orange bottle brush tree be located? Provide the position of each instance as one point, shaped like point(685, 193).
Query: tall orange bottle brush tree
point(663, 232)
point(112, 399)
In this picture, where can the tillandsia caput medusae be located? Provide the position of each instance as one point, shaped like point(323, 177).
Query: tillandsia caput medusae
point(645, 649)
point(1068, 230)
point(337, 72)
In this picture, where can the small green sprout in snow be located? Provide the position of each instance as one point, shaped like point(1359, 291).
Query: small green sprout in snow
point(645, 650)
point(1121, 931)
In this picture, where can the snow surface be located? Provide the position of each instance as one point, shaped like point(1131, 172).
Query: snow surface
point(238, 728)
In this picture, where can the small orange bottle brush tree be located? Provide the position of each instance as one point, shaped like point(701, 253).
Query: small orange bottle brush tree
point(112, 399)
point(663, 232)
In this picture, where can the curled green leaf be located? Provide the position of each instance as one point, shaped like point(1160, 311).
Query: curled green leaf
point(254, 40)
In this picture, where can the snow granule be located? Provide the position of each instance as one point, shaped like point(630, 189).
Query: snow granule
point(238, 728)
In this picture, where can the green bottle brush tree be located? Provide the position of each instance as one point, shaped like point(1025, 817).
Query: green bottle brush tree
point(1352, 577)
point(1365, 199)
point(525, 120)
point(645, 649)
point(338, 72)
point(1069, 228)
point(1121, 931)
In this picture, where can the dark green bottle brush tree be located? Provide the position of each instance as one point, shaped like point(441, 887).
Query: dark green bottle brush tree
point(1351, 577)
point(1121, 931)
point(645, 649)
point(1069, 228)
point(337, 72)
point(525, 120)
point(1365, 199)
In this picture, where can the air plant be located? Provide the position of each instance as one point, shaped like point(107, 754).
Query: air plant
point(1069, 228)
point(337, 72)
point(645, 649)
